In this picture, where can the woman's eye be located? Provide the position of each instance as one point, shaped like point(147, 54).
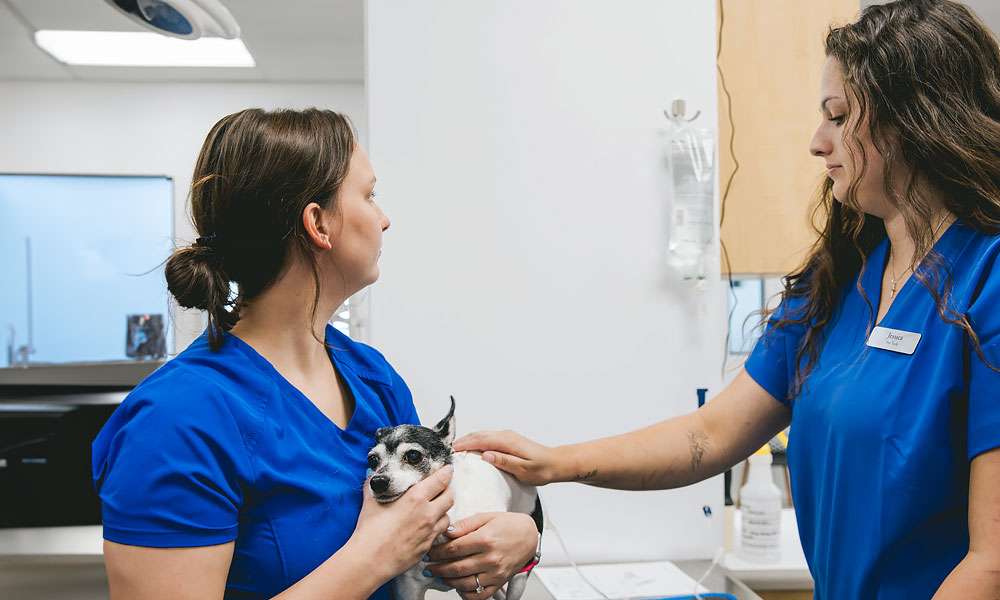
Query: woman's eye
point(838, 120)
point(413, 457)
point(372, 462)
point(371, 196)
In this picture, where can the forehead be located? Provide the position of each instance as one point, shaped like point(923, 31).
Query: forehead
point(831, 83)
point(360, 170)
point(406, 437)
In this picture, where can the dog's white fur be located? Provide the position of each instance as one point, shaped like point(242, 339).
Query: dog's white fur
point(478, 487)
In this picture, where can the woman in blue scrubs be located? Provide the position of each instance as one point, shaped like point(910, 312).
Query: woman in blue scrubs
point(884, 354)
point(238, 469)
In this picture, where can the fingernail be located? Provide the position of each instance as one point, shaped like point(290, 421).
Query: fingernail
point(451, 528)
point(427, 573)
point(426, 558)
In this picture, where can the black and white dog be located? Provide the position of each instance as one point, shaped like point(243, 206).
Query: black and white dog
point(406, 454)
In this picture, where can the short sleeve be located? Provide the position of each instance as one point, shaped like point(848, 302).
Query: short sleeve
point(984, 377)
point(168, 466)
point(772, 363)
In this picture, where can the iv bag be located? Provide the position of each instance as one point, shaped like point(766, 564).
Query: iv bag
point(691, 225)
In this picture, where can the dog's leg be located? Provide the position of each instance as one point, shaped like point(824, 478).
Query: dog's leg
point(409, 586)
point(515, 588)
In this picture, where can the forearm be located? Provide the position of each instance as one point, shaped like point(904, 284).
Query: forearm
point(977, 577)
point(347, 575)
point(670, 454)
point(682, 450)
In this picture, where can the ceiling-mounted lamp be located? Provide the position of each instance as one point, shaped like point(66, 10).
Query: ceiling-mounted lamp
point(186, 19)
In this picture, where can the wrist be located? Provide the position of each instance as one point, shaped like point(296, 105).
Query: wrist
point(563, 467)
point(360, 558)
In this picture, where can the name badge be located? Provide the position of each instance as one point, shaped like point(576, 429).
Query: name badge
point(895, 340)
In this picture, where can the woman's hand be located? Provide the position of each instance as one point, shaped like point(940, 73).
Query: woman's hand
point(528, 461)
point(398, 534)
point(493, 546)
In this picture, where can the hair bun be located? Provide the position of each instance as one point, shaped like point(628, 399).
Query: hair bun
point(196, 279)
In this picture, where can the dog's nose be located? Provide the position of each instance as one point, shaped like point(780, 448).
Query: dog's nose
point(379, 483)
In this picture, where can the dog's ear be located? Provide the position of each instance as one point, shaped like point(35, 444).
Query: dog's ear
point(446, 426)
point(381, 432)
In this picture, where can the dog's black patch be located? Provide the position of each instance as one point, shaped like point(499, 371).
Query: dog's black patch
point(426, 438)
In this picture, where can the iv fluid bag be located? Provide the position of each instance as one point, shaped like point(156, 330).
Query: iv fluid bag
point(691, 158)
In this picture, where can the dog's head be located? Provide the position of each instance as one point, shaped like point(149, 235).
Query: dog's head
point(406, 454)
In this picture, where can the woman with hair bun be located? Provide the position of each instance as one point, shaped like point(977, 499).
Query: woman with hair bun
point(238, 468)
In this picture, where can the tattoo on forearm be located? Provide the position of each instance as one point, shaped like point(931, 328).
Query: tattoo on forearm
point(587, 476)
point(699, 443)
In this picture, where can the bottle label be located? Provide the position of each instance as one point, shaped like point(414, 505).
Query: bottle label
point(761, 531)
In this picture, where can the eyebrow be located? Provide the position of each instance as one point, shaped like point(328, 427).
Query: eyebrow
point(822, 105)
point(372, 182)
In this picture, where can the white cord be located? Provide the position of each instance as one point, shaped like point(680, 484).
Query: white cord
point(719, 553)
point(549, 522)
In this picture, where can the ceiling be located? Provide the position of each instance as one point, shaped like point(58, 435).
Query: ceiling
point(291, 40)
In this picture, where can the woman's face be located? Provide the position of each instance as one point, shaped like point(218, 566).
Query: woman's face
point(357, 225)
point(832, 141)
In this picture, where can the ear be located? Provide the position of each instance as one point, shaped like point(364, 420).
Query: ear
point(446, 426)
point(381, 432)
point(317, 226)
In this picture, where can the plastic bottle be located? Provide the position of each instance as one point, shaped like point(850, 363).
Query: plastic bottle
point(760, 511)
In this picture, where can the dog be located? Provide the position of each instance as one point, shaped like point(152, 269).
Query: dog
point(407, 454)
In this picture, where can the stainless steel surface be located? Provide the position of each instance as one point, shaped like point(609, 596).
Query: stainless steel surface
point(116, 373)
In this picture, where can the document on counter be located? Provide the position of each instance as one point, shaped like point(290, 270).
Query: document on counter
point(618, 581)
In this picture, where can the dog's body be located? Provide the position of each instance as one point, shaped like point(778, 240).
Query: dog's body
point(477, 485)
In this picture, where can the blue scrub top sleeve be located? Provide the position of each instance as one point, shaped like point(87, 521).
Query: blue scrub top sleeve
point(772, 362)
point(984, 377)
point(168, 467)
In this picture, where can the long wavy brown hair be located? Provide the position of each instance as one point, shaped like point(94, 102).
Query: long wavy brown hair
point(924, 77)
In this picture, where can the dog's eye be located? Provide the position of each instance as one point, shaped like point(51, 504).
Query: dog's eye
point(372, 461)
point(413, 457)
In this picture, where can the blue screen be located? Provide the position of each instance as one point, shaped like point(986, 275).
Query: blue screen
point(96, 247)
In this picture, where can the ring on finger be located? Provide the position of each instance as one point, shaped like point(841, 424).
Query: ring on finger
point(479, 586)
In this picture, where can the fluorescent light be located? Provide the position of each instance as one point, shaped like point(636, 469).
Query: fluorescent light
point(141, 49)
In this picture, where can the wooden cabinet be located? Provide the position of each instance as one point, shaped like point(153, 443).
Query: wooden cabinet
point(772, 56)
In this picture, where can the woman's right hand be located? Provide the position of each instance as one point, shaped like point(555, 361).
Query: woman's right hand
point(396, 535)
point(527, 460)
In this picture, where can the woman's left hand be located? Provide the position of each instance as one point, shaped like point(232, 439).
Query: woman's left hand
point(493, 546)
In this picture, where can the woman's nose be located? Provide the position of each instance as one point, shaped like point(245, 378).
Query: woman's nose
point(819, 145)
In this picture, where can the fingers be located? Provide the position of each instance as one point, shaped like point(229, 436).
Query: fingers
point(470, 524)
point(466, 587)
point(432, 487)
point(504, 441)
point(486, 593)
point(442, 526)
point(467, 567)
point(443, 502)
point(505, 462)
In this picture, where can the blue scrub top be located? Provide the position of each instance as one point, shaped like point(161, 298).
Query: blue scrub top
point(218, 446)
point(881, 442)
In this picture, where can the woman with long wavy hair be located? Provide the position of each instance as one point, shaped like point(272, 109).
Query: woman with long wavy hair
point(884, 353)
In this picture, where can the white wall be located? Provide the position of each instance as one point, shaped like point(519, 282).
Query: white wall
point(141, 128)
point(519, 155)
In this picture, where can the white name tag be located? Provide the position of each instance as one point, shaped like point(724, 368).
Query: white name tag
point(895, 340)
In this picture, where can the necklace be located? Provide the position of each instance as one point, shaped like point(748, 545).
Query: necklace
point(892, 266)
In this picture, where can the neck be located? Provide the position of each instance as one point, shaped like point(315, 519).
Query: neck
point(280, 324)
point(902, 245)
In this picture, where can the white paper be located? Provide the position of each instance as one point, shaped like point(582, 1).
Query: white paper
point(618, 581)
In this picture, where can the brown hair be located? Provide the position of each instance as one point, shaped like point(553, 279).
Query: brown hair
point(255, 174)
point(924, 77)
